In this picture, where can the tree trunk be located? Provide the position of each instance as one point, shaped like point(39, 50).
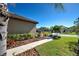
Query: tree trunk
point(3, 28)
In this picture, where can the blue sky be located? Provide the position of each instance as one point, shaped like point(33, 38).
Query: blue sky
point(46, 14)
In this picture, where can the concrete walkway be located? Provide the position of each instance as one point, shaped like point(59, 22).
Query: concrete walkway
point(20, 49)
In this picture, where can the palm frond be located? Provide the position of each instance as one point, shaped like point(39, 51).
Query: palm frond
point(59, 6)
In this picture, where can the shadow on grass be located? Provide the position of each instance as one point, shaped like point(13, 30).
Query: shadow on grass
point(73, 46)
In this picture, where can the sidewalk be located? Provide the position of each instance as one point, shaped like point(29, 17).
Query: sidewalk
point(20, 49)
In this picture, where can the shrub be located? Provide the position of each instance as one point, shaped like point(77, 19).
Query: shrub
point(37, 35)
point(11, 43)
point(21, 36)
point(46, 33)
point(18, 37)
point(14, 36)
point(29, 36)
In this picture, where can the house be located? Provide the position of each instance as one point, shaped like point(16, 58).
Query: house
point(19, 25)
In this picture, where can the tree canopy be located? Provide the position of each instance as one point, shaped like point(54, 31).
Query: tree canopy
point(76, 22)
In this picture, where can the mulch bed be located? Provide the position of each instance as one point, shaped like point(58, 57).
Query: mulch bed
point(13, 44)
point(31, 52)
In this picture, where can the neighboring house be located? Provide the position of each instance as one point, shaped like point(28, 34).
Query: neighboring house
point(19, 25)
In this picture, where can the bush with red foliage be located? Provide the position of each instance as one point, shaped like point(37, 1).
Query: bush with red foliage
point(11, 43)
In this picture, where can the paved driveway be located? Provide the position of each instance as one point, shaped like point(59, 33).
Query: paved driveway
point(68, 35)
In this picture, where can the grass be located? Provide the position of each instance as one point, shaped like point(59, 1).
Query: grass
point(58, 47)
point(72, 33)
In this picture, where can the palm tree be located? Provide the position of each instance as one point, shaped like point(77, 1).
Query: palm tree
point(3, 28)
point(4, 24)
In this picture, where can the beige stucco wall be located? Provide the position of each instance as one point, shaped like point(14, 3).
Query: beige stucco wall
point(20, 27)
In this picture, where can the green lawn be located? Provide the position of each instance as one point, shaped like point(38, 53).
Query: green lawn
point(72, 33)
point(58, 47)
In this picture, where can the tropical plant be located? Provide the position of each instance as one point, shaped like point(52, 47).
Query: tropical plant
point(46, 33)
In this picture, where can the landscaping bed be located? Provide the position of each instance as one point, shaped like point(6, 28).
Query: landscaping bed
point(15, 40)
point(16, 43)
point(31, 52)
